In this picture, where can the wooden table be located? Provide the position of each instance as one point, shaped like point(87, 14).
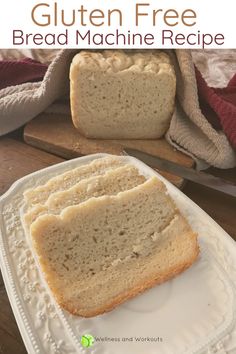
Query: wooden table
point(18, 159)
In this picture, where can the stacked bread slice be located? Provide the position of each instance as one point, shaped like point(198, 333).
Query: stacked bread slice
point(104, 233)
point(111, 182)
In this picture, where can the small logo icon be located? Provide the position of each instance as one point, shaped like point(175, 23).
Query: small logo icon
point(87, 340)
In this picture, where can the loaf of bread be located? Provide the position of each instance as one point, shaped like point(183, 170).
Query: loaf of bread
point(99, 253)
point(122, 95)
point(40, 194)
point(112, 182)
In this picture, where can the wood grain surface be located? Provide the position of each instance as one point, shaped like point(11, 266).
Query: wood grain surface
point(57, 135)
point(18, 159)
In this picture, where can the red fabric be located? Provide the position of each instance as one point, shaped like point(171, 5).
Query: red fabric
point(219, 106)
point(15, 72)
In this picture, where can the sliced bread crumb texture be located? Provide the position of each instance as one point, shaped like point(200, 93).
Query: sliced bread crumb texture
point(40, 194)
point(112, 182)
point(122, 95)
point(108, 249)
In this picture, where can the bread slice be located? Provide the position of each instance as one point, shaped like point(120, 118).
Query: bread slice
point(122, 95)
point(112, 182)
point(40, 194)
point(99, 253)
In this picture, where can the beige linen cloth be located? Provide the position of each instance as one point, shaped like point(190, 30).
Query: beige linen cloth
point(189, 130)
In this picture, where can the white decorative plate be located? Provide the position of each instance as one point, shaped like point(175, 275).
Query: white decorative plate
point(192, 314)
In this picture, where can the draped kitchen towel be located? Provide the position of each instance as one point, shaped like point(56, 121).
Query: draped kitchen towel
point(16, 72)
point(189, 131)
point(219, 106)
point(19, 104)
